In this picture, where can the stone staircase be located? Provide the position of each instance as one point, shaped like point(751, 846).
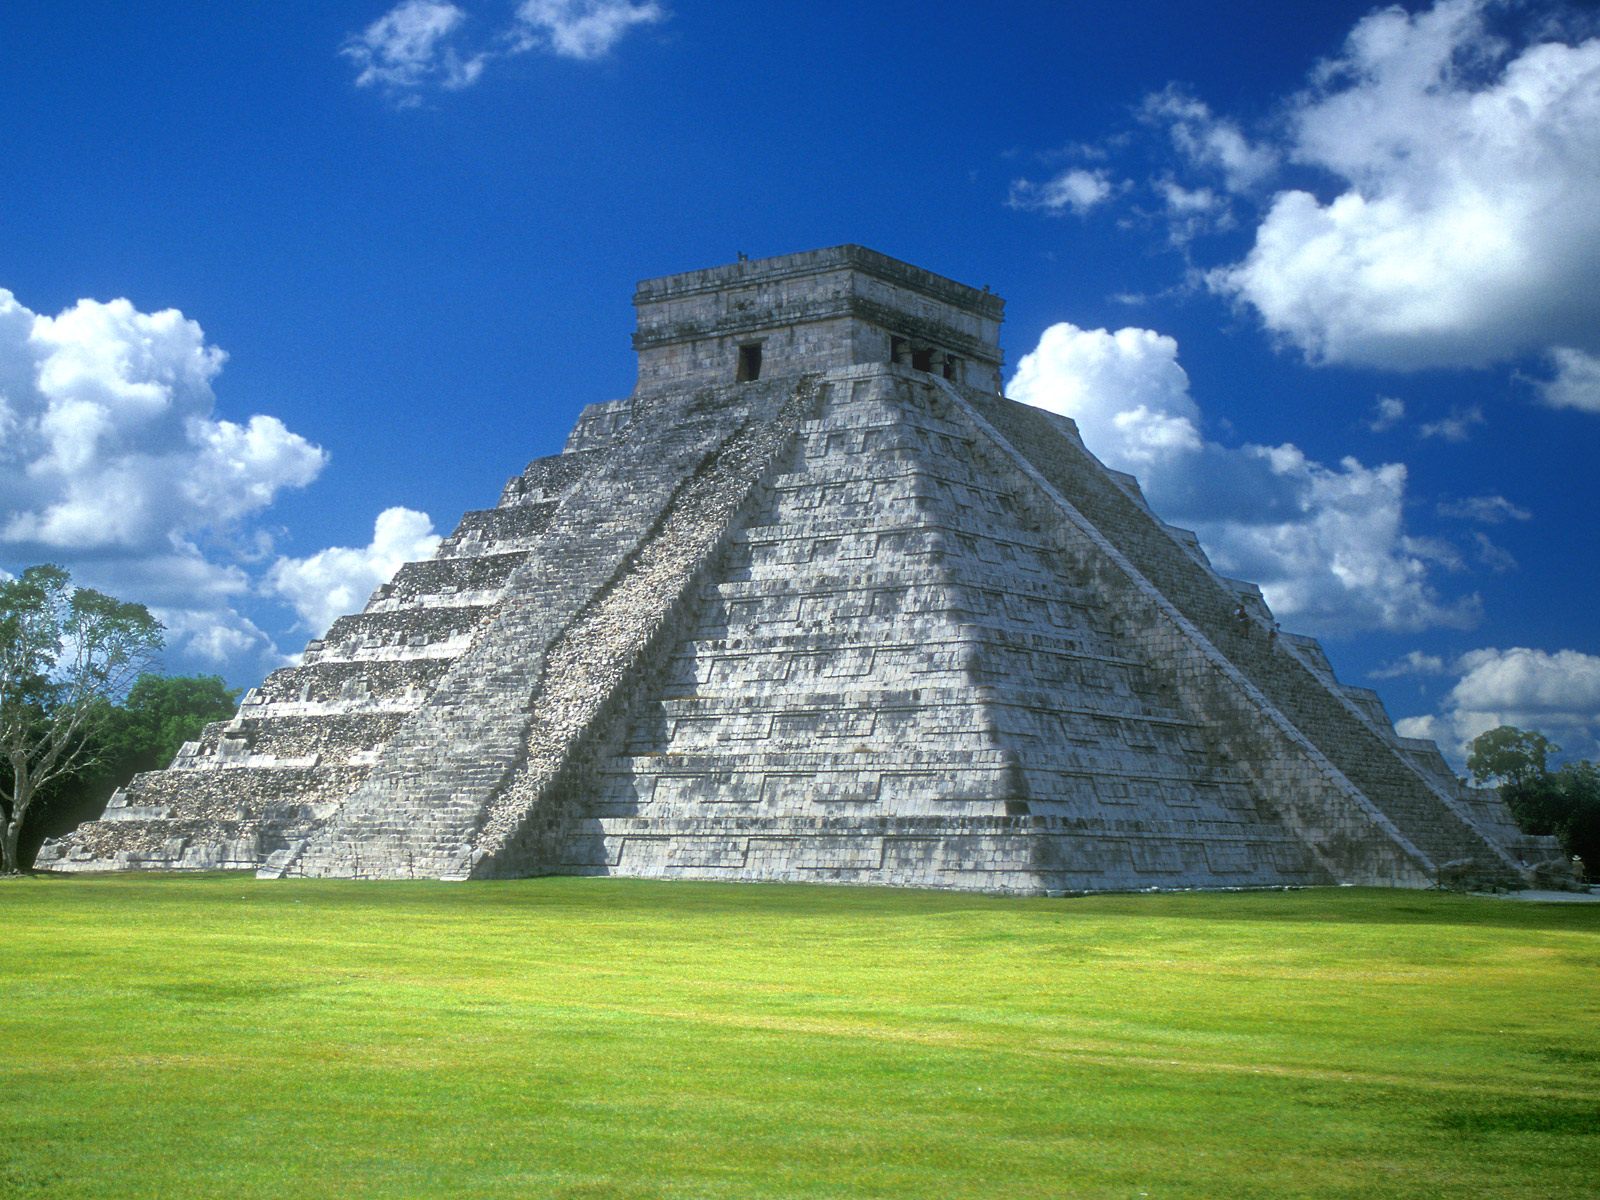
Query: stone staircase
point(451, 789)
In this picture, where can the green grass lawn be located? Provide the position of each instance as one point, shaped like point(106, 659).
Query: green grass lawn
point(216, 1036)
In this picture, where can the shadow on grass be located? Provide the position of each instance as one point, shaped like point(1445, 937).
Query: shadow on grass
point(1571, 1119)
point(213, 992)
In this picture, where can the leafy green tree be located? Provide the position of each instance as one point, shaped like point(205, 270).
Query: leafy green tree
point(66, 654)
point(1564, 803)
point(160, 714)
point(1510, 754)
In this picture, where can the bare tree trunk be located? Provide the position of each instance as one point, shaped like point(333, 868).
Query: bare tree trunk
point(22, 785)
point(11, 847)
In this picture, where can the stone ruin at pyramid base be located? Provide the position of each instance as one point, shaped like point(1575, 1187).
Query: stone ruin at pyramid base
point(816, 603)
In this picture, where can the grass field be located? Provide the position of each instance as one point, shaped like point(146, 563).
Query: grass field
point(216, 1036)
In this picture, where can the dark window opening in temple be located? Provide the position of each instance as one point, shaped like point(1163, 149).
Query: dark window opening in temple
point(952, 368)
point(749, 363)
point(922, 360)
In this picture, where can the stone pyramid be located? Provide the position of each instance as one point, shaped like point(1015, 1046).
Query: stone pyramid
point(816, 602)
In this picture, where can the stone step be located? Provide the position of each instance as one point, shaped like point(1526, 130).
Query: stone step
point(330, 682)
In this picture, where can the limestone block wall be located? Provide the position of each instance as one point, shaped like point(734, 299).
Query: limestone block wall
point(548, 478)
point(438, 581)
point(811, 312)
point(601, 426)
point(802, 345)
point(335, 684)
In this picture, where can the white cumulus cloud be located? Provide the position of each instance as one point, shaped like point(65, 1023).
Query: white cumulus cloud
point(1191, 212)
point(1576, 382)
point(419, 44)
point(1207, 141)
point(1556, 693)
point(581, 28)
point(1415, 663)
point(1457, 426)
point(1327, 544)
point(1497, 558)
point(1073, 191)
point(330, 583)
point(1462, 227)
point(114, 463)
point(1488, 510)
point(1387, 412)
point(412, 45)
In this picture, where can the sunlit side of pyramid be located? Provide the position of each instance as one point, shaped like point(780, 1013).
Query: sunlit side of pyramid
point(815, 603)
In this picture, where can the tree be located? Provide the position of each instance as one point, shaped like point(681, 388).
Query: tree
point(1510, 754)
point(65, 655)
point(1565, 803)
point(161, 713)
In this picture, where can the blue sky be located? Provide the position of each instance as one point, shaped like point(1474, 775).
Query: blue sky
point(1321, 275)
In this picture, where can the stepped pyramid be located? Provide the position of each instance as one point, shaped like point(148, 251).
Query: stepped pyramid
point(816, 602)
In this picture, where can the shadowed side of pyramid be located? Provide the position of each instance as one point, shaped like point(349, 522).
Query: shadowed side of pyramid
point(816, 603)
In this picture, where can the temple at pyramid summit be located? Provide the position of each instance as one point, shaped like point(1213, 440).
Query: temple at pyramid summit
point(817, 603)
